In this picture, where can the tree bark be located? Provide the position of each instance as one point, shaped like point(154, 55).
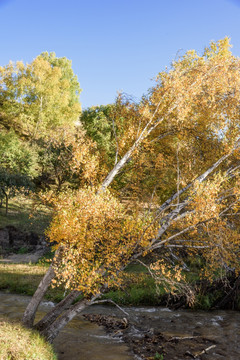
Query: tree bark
point(30, 312)
point(6, 204)
point(52, 315)
point(53, 329)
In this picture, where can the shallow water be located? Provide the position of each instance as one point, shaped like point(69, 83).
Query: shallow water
point(221, 327)
point(82, 340)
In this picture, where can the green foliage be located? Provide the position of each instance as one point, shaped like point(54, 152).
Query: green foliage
point(38, 101)
point(39, 97)
point(98, 122)
point(16, 156)
point(13, 184)
point(136, 289)
point(203, 301)
point(67, 74)
point(22, 250)
point(158, 356)
point(17, 166)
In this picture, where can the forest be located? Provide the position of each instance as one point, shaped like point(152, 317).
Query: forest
point(155, 183)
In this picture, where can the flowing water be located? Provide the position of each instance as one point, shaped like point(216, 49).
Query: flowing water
point(82, 340)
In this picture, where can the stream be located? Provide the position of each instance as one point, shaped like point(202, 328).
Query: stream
point(83, 340)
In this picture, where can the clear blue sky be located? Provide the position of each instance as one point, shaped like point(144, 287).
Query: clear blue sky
point(114, 45)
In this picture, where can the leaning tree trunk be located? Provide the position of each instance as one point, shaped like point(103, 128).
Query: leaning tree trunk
point(51, 332)
point(58, 309)
point(30, 312)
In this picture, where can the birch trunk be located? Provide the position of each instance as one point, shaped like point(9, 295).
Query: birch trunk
point(58, 309)
point(30, 312)
point(51, 332)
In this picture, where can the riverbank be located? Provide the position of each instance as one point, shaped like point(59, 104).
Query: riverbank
point(80, 339)
point(160, 333)
point(151, 333)
point(17, 342)
point(137, 288)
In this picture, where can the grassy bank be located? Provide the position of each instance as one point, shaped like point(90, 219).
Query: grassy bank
point(137, 288)
point(19, 343)
point(24, 279)
point(24, 214)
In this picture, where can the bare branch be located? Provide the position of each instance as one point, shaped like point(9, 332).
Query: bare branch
point(200, 179)
point(187, 246)
point(112, 302)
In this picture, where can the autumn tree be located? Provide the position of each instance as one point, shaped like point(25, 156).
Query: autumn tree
point(185, 133)
point(37, 98)
point(68, 159)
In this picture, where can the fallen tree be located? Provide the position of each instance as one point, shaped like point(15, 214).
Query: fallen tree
point(194, 108)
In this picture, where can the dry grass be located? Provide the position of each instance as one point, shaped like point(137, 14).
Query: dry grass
point(18, 343)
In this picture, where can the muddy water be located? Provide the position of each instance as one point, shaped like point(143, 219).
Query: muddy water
point(82, 340)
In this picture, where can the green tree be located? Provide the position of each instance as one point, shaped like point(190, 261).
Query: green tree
point(39, 97)
point(18, 165)
point(67, 74)
point(17, 155)
point(12, 184)
point(99, 123)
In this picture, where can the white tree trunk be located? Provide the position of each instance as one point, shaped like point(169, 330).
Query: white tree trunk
point(53, 329)
point(30, 312)
point(58, 309)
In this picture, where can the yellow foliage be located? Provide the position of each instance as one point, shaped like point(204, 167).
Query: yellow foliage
point(189, 120)
point(98, 237)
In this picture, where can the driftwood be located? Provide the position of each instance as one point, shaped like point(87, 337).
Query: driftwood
point(201, 352)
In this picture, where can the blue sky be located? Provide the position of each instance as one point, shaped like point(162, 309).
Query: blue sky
point(115, 45)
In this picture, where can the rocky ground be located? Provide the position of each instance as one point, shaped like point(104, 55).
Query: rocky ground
point(17, 246)
point(151, 344)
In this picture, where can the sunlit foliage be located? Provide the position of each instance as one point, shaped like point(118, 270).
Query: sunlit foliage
point(99, 237)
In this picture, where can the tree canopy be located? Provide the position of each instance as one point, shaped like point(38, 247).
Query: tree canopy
point(37, 98)
point(177, 155)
